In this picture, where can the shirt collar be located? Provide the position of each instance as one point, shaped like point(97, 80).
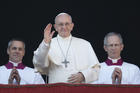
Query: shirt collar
point(114, 60)
point(10, 65)
point(110, 63)
point(14, 64)
point(65, 39)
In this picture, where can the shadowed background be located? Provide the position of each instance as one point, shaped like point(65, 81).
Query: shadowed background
point(92, 19)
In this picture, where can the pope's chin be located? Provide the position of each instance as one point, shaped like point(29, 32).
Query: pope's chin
point(64, 35)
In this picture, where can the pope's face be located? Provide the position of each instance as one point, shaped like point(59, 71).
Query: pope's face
point(16, 51)
point(64, 25)
point(113, 47)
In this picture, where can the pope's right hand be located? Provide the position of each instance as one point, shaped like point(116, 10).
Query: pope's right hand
point(48, 34)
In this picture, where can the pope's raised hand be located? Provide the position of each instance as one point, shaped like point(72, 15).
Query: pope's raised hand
point(48, 34)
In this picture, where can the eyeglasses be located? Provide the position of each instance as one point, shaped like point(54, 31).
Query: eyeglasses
point(113, 45)
point(64, 24)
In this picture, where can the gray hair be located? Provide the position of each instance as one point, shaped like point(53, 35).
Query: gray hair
point(112, 34)
point(62, 14)
point(15, 39)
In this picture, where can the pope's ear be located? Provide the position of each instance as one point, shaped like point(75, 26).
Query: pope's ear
point(72, 24)
point(55, 27)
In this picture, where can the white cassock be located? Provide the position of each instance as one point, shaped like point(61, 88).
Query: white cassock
point(130, 74)
point(48, 59)
point(27, 75)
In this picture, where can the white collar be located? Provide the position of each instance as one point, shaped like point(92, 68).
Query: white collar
point(65, 39)
point(114, 60)
point(15, 64)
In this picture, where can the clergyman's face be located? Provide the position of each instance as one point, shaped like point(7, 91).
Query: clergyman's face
point(113, 47)
point(16, 51)
point(64, 25)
